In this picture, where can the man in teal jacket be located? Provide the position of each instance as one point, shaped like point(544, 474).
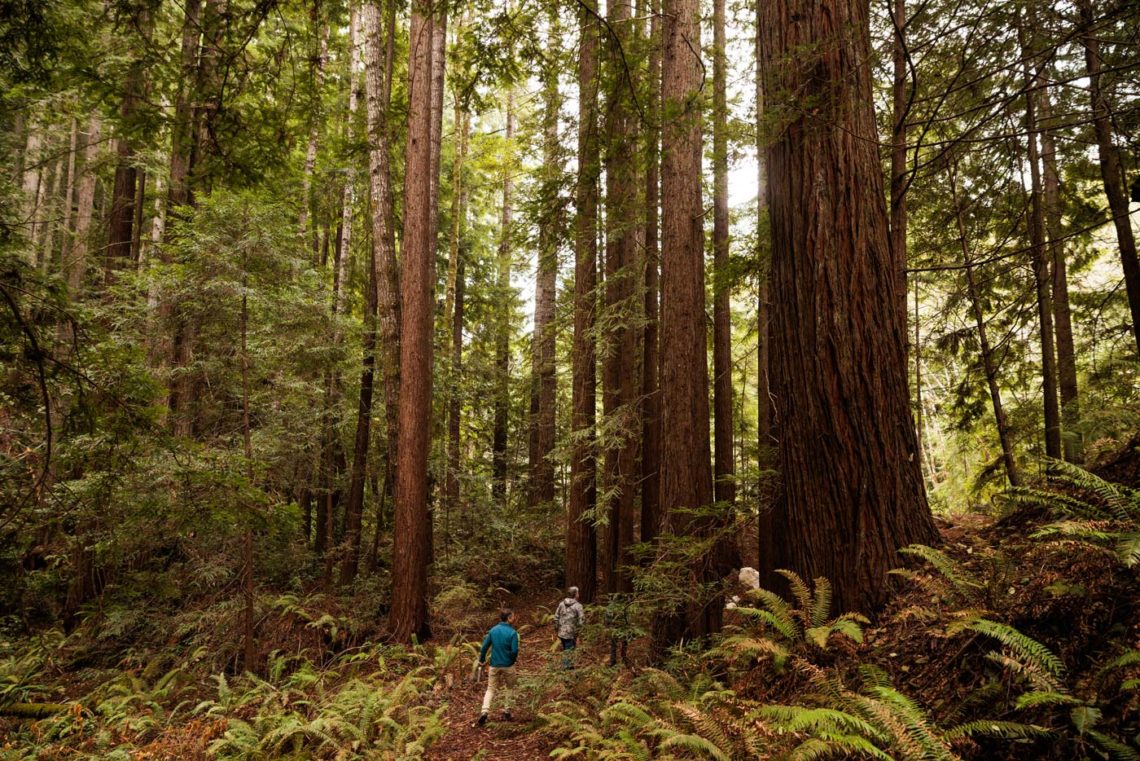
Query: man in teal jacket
point(503, 642)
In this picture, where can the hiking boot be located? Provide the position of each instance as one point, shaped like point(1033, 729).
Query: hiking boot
point(481, 720)
point(506, 715)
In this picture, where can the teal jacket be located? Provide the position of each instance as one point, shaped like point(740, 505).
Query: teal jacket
point(503, 642)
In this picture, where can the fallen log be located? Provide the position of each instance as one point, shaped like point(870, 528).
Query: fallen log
point(34, 710)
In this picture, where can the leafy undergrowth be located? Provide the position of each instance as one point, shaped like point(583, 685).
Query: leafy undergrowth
point(1016, 638)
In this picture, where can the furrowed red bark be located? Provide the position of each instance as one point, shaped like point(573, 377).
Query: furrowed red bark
point(409, 613)
point(650, 362)
point(581, 546)
point(852, 489)
point(724, 465)
point(686, 473)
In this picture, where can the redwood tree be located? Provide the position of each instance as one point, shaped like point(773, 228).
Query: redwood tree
point(686, 473)
point(852, 488)
point(581, 547)
point(409, 615)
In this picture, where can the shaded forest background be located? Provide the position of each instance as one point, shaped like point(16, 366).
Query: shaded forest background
point(328, 325)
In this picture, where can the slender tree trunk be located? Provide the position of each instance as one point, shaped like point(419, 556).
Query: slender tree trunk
point(317, 71)
point(409, 615)
point(67, 241)
point(32, 174)
point(41, 226)
point(182, 129)
point(354, 505)
point(619, 395)
point(545, 382)
point(453, 308)
point(249, 655)
point(378, 72)
point(1062, 318)
point(1111, 172)
point(76, 264)
point(686, 473)
point(724, 470)
point(650, 358)
point(852, 489)
point(503, 334)
point(125, 189)
point(989, 365)
point(765, 440)
point(581, 546)
point(136, 235)
point(1041, 276)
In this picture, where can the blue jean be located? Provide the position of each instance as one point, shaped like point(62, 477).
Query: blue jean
point(568, 644)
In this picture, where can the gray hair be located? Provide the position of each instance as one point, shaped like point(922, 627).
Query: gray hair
point(572, 592)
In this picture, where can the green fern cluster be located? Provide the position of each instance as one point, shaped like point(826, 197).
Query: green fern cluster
point(1105, 514)
point(786, 628)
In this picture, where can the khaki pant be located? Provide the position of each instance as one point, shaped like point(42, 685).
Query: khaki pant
point(500, 680)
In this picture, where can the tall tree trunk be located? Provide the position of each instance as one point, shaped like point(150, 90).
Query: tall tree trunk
point(1062, 318)
point(409, 616)
point(619, 380)
point(1041, 277)
point(378, 72)
point(686, 473)
point(453, 309)
point(724, 466)
point(76, 263)
point(503, 329)
point(67, 241)
point(125, 189)
point(581, 546)
point(765, 439)
point(1111, 173)
point(354, 505)
point(544, 382)
point(182, 129)
point(650, 358)
point(852, 489)
point(32, 172)
point(989, 365)
point(317, 72)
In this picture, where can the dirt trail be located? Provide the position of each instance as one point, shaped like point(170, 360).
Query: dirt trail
point(516, 740)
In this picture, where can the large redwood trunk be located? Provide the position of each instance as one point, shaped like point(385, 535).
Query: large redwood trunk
point(650, 357)
point(852, 487)
point(453, 310)
point(686, 472)
point(619, 380)
point(409, 614)
point(581, 547)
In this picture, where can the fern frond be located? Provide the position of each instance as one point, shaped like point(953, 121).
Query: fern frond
point(1028, 649)
point(950, 569)
point(821, 604)
point(799, 589)
point(696, 744)
point(1004, 730)
point(1036, 698)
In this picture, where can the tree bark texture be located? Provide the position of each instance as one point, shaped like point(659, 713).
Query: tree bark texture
point(852, 485)
point(650, 357)
point(686, 472)
point(409, 613)
point(378, 71)
point(619, 378)
point(76, 264)
point(453, 310)
point(581, 546)
point(901, 105)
